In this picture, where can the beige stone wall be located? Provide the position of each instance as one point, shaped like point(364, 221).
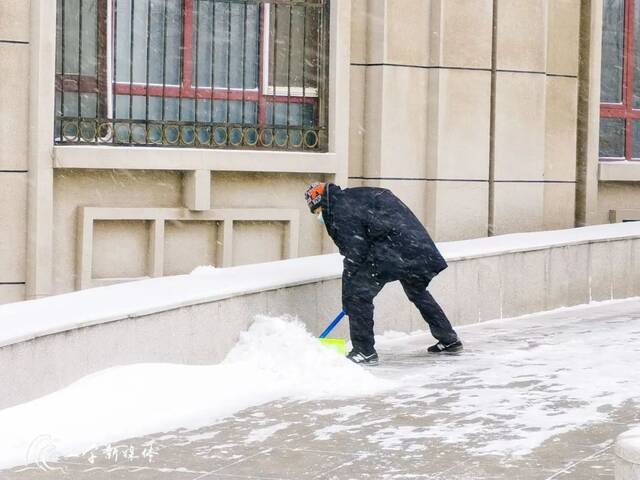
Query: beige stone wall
point(14, 58)
point(423, 103)
point(536, 114)
point(623, 197)
point(95, 215)
point(120, 247)
point(422, 86)
point(117, 248)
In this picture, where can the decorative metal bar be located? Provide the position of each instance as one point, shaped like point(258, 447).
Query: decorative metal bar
point(79, 97)
point(196, 33)
point(97, 43)
point(290, 9)
point(164, 57)
point(303, 56)
point(114, 66)
point(244, 51)
point(213, 59)
point(274, 77)
point(148, 45)
point(228, 58)
point(62, 62)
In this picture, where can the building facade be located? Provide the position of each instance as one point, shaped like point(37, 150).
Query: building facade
point(141, 138)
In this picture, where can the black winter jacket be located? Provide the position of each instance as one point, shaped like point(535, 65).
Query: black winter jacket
point(373, 229)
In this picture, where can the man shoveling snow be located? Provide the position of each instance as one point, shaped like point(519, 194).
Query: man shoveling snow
point(382, 241)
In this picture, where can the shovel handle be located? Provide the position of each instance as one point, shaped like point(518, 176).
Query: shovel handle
point(333, 324)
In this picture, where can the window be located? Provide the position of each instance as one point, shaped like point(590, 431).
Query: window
point(196, 73)
point(620, 81)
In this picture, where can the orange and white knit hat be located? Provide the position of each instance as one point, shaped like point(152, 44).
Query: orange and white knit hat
point(314, 194)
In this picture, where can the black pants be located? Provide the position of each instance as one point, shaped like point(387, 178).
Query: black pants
point(358, 292)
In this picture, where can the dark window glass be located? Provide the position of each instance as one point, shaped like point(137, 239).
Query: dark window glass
point(636, 139)
point(295, 62)
point(612, 51)
point(164, 43)
point(612, 137)
point(220, 31)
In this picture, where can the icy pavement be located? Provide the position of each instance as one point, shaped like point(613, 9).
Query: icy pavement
point(540, 397)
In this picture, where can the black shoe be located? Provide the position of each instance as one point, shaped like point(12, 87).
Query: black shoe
point(362, 359)
point(449, 348)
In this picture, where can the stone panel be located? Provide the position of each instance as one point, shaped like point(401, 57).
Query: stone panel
point(257, 242)
point(600, 272)
point(14, 20)
point(301, 303)
point(519, 129)
point(467, 287)
point(621, 261)
point(271, 190)
point(101, 188)
point(560, 128)
point(522, 35)
point(558, 278)
point(635, 267)
point(376, 31)
point(403, 122)
point(120, 249)
point(519, 207)
point(359, 31)
point(578, 268)
point(11, 293)
point(616, 196)
point(523, 278)
point(462, 33)
point(461, 210)
point(559, 205)
point(490, 305)
point(357, 129)
point(188, 245)
point(14, 105)
point(13, 226)
point(459, 124)
point(407, 31)
point(373, 121)
point(563, 37)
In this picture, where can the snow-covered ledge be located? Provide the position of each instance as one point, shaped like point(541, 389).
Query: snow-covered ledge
point(48, 343)
point(627, 452)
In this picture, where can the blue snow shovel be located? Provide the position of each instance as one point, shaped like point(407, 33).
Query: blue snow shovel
point(336, 344)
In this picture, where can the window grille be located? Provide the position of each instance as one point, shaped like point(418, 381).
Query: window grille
point(192, 73)
point(620, 81)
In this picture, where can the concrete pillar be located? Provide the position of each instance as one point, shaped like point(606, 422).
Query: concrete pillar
point(41, 120)
point(14, 56)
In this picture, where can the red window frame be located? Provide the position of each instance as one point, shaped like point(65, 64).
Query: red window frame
point(625, 109)
point(186, 89)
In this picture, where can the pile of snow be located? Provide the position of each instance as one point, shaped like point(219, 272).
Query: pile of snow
point(204, 270)
point(275, 358)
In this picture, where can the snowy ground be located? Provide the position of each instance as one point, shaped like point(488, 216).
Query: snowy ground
point(540, 397)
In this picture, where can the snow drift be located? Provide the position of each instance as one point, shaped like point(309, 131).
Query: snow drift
point(275, 358)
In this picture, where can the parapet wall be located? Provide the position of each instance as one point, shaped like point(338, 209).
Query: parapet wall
point(46, 344)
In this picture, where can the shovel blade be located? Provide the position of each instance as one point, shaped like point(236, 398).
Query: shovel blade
point(338, 345)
